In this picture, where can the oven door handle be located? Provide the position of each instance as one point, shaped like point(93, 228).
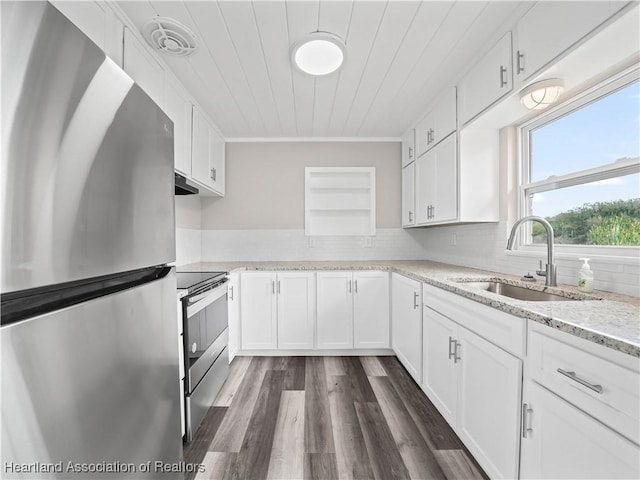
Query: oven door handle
point(203, 300)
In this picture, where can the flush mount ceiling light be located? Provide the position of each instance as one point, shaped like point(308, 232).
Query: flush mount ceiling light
point(541, 94)
point(321, 53)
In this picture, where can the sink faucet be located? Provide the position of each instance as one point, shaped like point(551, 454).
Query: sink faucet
point(550, 272)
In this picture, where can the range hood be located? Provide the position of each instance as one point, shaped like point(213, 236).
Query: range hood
point(184, 187)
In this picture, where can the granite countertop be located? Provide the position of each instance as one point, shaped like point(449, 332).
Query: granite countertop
point(612, 321)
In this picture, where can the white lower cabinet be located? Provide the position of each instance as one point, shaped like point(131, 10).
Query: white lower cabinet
point(258, 308)
point(406, 322)
point(233, 303)
point(296, 309)
point(353, 310)
point(277, 310)
point(561, 441)
point(476, 387)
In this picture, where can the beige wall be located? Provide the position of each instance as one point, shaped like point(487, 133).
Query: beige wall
point(265, 182)
point(188, 213)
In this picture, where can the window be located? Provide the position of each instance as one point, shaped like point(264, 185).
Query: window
point(581, 168)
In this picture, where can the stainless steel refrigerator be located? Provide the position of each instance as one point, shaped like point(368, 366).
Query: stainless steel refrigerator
point(89, 359)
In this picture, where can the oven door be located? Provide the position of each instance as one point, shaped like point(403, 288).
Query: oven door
point(206, 318)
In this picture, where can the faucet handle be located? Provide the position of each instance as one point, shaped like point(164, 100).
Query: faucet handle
point(541, 272)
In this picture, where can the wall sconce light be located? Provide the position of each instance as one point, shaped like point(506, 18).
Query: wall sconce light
point(320, 53)
point(541, 94)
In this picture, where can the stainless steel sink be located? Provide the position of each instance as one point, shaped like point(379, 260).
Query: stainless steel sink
point(523, 293)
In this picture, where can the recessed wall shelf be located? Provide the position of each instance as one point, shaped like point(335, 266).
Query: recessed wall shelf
point(340, 201)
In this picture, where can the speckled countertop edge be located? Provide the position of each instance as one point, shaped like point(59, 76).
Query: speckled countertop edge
point(613, 321)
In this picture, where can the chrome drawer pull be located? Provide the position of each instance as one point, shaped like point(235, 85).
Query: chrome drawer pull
point(575, 378)
point(526, 426)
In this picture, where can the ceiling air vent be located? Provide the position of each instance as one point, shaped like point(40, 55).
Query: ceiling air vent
point(169, 36)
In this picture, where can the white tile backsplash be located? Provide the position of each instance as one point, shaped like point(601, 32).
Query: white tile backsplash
point(188, 246)
point(477, 246)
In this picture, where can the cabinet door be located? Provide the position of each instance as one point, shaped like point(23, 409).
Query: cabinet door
point(445, 204)
point(424, 134)
point(445, 116)
point(296, 307)
point(233, 300)
point(217, 161)
point(371, 310)
point(406, 324)
point(258, 310)
point(408, 195)
point(408, 147)
point(488, 416)
point(178, 107)
point(565, 23)
point(440, 371)
point(143, 68)
point(425, 187)
point(200, 149)
point(489, 80)
point(335, 310)
point(564, 442)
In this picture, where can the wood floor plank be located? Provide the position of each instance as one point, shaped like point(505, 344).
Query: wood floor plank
point(334, 366)
point(237, 370)
point(386, 460)
point(234, 426)
point(456, 464)
point(373, 367)
point(318, 433)
point(433, 427)
point(320, 466)
point(255, 453)
point(287, 453)
point(352, 458)
point(360, 386)
point(295, 373)
point(218, 466)
point(195, 451)
point(417, 456)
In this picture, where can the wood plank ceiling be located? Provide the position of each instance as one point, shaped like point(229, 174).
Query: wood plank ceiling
point(400, 56)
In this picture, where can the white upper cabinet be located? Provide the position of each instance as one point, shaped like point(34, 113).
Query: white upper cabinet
point(178, 107)
point(143, 68)
point(488, 81)
point(408, 147)
point(436, 184)
point(408, 195)
point(438, 124)
point(97, 22)
point(207, 155)
point(550, 28)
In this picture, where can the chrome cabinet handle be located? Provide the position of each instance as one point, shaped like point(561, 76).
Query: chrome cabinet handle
point(415, 301)
point(355, 286)
point(433, 211)
point(349, 286)
point(519, 62)
point(452, 353)
point(273, 286)
point(503, 79)
point(575, 378)
point(278, 287)
point(410, 216)
point(213, 174)
point(410, 152)
point(455, 352)
point(230, 293)
point(526, 426)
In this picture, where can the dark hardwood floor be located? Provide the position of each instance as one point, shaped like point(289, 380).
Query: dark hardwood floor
point(325, 418)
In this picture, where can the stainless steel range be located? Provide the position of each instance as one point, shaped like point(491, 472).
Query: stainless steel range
point(205, 341)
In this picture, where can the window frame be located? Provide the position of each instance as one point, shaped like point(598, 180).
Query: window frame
point(618, 168)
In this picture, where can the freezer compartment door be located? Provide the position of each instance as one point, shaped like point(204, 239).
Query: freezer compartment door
point(95, 383)
point(87, 158)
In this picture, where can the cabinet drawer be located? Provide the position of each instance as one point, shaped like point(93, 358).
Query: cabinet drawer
point(606, 390)
point(500, 328)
